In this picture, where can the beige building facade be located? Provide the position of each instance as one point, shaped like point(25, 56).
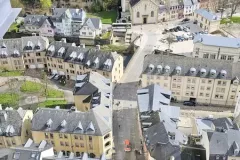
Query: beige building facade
point(15, 127)
point(70, 61)
point(76, 132)
point(23, 53)
point(216, 47)
point(204, 81)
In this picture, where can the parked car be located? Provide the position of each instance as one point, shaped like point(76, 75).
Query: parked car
point(171, 30)
point(127, 146)
point(195, 22)
point(180, 28)
point(185, 20)
point(186, 29)
point(175, 29)
point(189, 103)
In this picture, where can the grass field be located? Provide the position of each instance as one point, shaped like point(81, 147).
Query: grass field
point(50, 103)
point(11, 73)
point(106, 35)
point(233, 19)
point(33, 87)
point(107, 17)
point(112, 48)
point(9, 98)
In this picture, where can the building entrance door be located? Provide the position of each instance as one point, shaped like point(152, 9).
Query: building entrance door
point(144, 20)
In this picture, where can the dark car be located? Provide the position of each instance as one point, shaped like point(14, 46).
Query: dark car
point(185, 20)
point(189, 103)
point(171, 30)
point(175, 29)
point(195, 22)
point(179, 28)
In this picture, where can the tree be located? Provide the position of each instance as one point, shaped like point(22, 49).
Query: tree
point(46, 4)
point(213, 5)
point(235, 5)
point(169, 40)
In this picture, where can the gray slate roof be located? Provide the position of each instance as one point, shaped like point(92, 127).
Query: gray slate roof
point(91, 122)
point(219, 41)
point(75, 14)
point(60, 156)
point(152, 97)
point(11, 122)
point(17, 46)
point(34, 20)
point(89, 55)
point(95, 21)
point(186, 63)
point(126, 91)
point(8, 16)
point(206, 14)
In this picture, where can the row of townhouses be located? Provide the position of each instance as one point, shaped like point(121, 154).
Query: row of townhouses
point(63, 22)
point(83, 128)
point(60, 58)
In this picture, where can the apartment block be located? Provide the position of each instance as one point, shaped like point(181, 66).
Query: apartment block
point(216, 47)
point(206, 20)
point(92, 90)
point(75, 131)
point(23, 53)
point(205, 81)
point(69, 60)
point(15, 127)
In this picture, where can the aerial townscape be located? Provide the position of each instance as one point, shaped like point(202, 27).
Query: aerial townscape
point(120, 80)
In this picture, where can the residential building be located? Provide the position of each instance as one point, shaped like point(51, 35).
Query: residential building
point(23, 53)
point(206, 20)
point(76, 3)
point(122, 33)
point(216, 47)
point(205, 81)
point(8, 16)
point(143, 11)
point(190, 6)
point(75, 131)
point(92, 90)
point(91, 28)
point(33, 23)
point(15, 127)
point(204, 4)
point(68, 21)
point(28, 151)
point(175, 9)
point(84, 156)
point(47, 29)
point(237, 107)
point(152, 97)
point(70, 60)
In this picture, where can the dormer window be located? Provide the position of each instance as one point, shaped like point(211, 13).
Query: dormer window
point(178, 69)
point(63, 123)
point(159, 68)
point(73, 55)
point(29, 45)
point(16, 53)
point(49, 123)
point(108, 63)
point(203, 72)
point(3, 54)
point(90, 127)
point(192, 71)
point(51, 48)
point(3, 45)
point(38, 46)
point(151, 67)
point(167, 69)
point(61, 51)
point(223, 74)
point(81, 57)
point(213, 72)
point(88, 63)
point(96, 62)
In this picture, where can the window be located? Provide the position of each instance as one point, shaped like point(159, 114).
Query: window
point(230, 58)
point(165, 78)
point(209, 81)
point(138, 14)
point(145, 7)
point(187, 94)
point(173, 85)
point(13, 142)
point(152, 13)
point(51, 135)
point(189, 80)
point(60, 66)
point(71, 65)
point(219, 82)
point(221, 96)
point(216, 96)
point(90, 33)
point(212, 56)
point(223, 57)
point(38, 54)
point(202, 88)
point(208, 88)
point(61, 143)
point(90, 138)
point(60, 135)
point(193, 80)
point(75, 137)
point(78, 154)
point(206, 55)
point(81, 137)
point(200, 94)
point(83, 33)
point(178, 86)
point(90, 146)
point(39, 60)
point(53, 143)
point(203, 81)
point(188, 86)
point(82, 145)
point(224, 83)
point(66, 144)
point(232, 97)
point(46, 135)
point(65, 136)
point(207, 94)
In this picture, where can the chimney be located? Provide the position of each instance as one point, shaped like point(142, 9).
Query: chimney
point(64, 40)
point(82, 45)
point(98, 47)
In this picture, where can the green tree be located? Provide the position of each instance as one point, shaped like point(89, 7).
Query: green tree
point(46, 3)
point(110, 4)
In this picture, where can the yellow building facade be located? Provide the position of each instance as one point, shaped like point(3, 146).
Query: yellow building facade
point(15, 127)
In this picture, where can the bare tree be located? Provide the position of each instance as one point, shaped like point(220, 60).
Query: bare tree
point(234, 5)
point(213, 5)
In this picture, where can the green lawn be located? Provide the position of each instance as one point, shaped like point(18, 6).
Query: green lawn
point(8, 98)
point(11, 73)
point(233, 19)
point(107, 17)
point(33, 87)
point(14, 27)
point(52, 103)
point(112, 48)
point(106, 35)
